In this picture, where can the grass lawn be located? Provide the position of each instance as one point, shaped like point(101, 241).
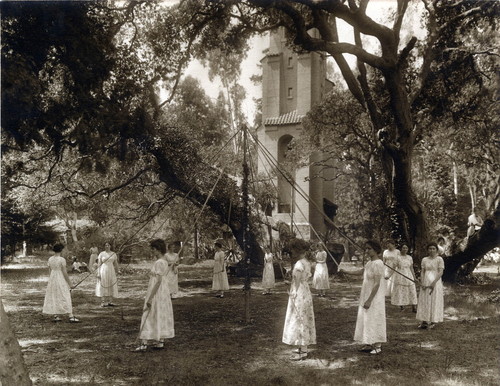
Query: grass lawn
point(214, 346)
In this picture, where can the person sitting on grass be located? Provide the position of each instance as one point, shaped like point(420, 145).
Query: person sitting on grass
point(58, 296)
point(157, 322)
point(78, 266)
point(300, 327)
point(430, 300)
point(371, 323)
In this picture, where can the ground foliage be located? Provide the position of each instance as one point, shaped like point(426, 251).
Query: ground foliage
point(213, 345)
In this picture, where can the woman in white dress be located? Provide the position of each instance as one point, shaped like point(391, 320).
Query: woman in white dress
point(300, 327)
point(107, 282)
point(430, 300)
point(404, 292)
point(157, 323)
point(173, 274)
point(58, 296)
point(268, 280)
point(93, 259)
point(390, 257)
point(371, 323)
point(220, 282)
point(320, 278)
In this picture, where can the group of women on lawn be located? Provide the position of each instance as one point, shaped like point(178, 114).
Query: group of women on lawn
point(370, 329)
point(391, 273)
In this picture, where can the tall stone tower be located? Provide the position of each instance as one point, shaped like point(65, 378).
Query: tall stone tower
point(291, 84)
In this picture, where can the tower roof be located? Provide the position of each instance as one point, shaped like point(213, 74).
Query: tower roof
point(285, 119)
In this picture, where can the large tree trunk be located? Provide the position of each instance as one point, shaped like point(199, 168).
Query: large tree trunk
point(12, 368)
point(487, 238)
point(399, 146)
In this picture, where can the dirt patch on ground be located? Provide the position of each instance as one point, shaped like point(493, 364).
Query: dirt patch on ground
point(214, 346)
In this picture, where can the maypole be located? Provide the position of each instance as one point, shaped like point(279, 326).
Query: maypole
point(246, 227)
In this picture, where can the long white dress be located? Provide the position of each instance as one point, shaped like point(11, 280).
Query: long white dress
point(220, 281)
point(173, 273)
point(371, 323)
point(268, 279)
point(430, 306)
point(320, 278)
point(57, 297)
point(404, 292)
point(300, 328)
point(158, 322)
point(108, 283)
point(390, 258)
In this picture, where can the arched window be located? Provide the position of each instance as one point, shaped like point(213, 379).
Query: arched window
point(285, 193)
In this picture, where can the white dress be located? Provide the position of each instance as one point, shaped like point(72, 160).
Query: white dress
point(57, 297)
point(404, 292)
point(300, 328)
point(430, 306)
point(371, 324)
point(220, 282)
point(173, 273)
point(108, 283)
point(320, 278)
point(158, 322)
point(268, 280)
point(390, 258)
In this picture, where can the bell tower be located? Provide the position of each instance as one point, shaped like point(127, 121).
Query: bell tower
point(292, 83)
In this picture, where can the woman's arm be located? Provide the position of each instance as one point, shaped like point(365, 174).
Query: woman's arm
point(373, 292)
point(66, 277)
point(154, 290)
point(413, 270)
point(438, 277)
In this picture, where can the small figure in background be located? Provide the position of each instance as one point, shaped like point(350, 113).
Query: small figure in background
point(268, 279)
point(93, 259)
point(320, 278)
point(173, 275)
point(220, 282)
point(474, 222)
point(389, 257)
point(404, 291)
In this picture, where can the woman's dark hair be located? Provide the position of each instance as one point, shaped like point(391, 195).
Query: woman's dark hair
point(390, 241)
point(217, 244)
point(432, 244)
point(58, 247)
point(440, 238)
point(375, 245)
point(297, 247)
point(159, 245)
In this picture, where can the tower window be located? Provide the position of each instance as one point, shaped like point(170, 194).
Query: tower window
point(290, 93)
point(290, 62)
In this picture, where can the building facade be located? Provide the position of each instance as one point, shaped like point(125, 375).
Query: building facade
point(292, 84)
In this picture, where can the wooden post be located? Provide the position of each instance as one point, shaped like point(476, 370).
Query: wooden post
point(246, 227)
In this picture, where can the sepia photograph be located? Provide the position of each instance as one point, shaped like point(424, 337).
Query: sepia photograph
point(250, 192)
